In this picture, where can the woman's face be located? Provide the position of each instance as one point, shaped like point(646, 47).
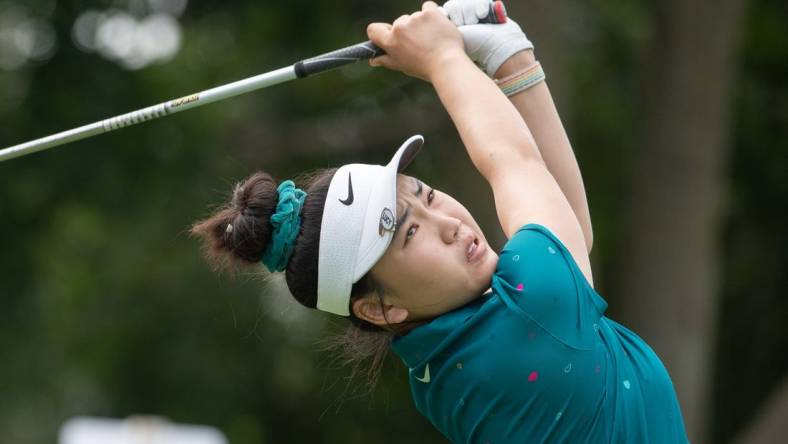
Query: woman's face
point(438, 260)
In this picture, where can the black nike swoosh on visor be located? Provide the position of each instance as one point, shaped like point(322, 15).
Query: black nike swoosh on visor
point(349, 200)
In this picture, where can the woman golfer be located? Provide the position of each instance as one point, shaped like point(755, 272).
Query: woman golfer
point(507, 347)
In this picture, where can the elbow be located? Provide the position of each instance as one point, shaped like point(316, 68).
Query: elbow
point(528, 150)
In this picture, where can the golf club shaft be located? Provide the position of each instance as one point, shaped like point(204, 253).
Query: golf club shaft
point(151, 112)
point(304, 68)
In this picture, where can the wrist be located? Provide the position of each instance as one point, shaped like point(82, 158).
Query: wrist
point(515, 63)
point(445, 62)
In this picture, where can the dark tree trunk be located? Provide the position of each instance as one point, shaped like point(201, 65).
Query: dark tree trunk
point(670, 275)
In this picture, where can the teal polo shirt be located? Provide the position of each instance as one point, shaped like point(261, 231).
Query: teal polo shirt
point(536, 361)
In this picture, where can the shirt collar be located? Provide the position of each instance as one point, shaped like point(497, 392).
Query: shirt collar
point(424, 341)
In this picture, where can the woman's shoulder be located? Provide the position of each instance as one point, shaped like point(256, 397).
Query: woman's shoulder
point(537, 277)
point(534, 247)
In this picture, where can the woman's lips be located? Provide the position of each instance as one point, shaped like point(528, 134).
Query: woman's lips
point(475, 250)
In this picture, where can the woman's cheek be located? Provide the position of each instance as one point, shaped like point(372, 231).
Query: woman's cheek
point(434, 254)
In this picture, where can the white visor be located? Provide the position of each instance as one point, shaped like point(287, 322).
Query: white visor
point(358, 225)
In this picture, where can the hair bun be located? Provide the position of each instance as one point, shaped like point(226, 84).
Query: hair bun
point(241, 230)
point(238, 200)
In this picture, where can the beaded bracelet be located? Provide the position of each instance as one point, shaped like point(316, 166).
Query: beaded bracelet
point(522, 80)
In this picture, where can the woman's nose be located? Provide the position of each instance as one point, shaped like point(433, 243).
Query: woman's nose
point(449, 228)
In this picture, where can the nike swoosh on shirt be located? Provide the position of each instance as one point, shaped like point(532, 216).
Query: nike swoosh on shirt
point(426, 378)
point(349, 199)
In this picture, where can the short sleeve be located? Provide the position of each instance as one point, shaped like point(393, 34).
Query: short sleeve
point(537, 276)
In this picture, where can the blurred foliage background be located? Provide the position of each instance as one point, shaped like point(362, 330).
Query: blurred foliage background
point(106, 308)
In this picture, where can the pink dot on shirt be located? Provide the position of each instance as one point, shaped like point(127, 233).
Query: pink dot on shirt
point(533, 376)
point(520, 287)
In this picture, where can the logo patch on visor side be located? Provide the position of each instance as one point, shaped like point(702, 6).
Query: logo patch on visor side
point(386, 222)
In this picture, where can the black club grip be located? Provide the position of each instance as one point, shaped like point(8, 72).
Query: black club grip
point(340, 57)
point(366, 50)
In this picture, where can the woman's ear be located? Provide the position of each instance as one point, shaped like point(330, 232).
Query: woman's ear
point(372, 309)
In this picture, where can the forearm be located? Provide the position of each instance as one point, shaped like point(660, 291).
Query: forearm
point(491, 128)
point(536, 107)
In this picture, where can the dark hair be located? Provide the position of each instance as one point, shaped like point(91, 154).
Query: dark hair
point(248, 213)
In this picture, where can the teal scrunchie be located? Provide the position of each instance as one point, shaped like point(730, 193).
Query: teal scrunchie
point(287, 223)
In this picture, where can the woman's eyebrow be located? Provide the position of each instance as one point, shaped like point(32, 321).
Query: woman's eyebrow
point(406, 213)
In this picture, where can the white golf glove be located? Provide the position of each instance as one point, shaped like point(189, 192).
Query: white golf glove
point(487, 45)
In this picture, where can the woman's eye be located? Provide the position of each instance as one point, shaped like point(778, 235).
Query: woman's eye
point(431, 196)
point(411, 232)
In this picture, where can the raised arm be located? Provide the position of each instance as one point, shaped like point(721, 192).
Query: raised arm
point(537, 108)
point(505, 53)
point(499, 142)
